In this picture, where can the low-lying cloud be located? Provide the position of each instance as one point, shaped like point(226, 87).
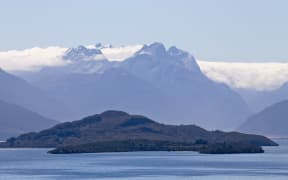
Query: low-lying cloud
point(32, 59)
point(257, 76)
point(120, 53)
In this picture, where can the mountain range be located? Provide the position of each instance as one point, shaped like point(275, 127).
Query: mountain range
point(166, 84)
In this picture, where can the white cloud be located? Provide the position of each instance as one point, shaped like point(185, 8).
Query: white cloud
point(257, 76)
point(36, 58)
point(32, 59)
point(120, 53)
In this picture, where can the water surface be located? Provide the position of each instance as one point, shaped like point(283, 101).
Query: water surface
point(37, 164)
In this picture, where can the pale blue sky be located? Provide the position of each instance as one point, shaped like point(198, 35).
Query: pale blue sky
point(229, 30)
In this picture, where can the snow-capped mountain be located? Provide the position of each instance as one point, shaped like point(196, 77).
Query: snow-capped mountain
point(237, 75)
point(82, 53)
point(100, 51)
point(166, 84)
point(154, 63)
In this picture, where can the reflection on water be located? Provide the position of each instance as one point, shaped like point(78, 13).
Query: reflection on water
point(37, 164)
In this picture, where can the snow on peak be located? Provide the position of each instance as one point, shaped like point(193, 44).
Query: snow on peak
point(157, 49)
point(175, 52)
point(81, 53)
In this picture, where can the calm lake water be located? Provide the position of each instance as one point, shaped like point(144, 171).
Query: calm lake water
point(37, 164)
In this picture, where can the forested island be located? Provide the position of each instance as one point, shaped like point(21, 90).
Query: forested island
point(117, 131)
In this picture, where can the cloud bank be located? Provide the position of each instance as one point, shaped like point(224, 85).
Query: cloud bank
point(36, 58)
point(32, 59)
point(257, 76)
point(119, 53)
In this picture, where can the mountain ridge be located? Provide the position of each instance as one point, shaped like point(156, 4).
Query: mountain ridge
point(162, 83)
point(272, 121)
point(18, 91)
point(15, 120)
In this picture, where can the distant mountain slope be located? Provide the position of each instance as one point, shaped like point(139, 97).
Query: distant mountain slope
point(166, 84)
point(15, 120)
point(17, 91)
point(272, 121)
point(115, 88)
point(258, 100)
point(118, 127)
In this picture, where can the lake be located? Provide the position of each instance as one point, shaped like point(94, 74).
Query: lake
point(37, 164)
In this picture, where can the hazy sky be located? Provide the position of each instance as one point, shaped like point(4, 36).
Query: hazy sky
point(224, 30)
